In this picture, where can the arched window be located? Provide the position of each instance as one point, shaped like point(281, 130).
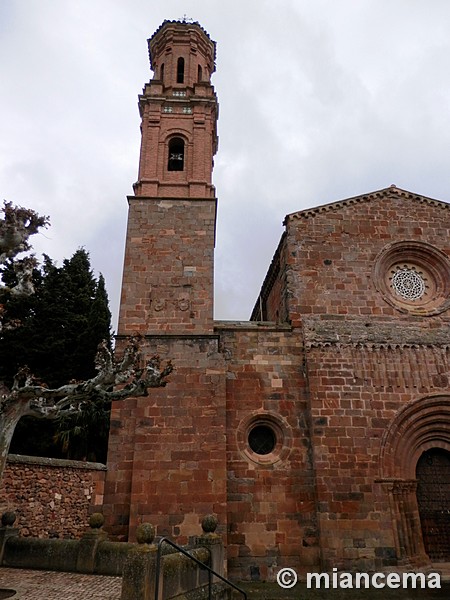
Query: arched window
point(200, 74)
point(180, 70)
point(161, 73)
point(176, 155)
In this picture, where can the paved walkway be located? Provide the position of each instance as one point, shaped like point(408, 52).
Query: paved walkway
point(51, 585)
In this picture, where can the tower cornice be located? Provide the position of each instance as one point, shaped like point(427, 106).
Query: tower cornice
point(163, 34)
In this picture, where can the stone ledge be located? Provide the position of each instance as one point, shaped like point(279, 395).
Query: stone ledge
point(252, 326)
point(172, 336)
point(366, 332)
point(55, 462)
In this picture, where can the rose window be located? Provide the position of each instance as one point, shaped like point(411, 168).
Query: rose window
point(408, 283)
point(413, 277)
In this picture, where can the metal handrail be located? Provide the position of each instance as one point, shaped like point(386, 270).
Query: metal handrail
point(199, 562)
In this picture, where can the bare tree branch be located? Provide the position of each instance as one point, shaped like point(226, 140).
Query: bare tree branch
point(116, 379)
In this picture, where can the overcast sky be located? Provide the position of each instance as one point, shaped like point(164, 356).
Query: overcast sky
point(319, 100)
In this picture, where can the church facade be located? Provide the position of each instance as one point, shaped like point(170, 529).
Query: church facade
point(318, 431)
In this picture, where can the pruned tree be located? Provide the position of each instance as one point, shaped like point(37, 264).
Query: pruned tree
point(116, 378)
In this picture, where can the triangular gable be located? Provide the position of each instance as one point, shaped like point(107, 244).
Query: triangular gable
point(377, 195)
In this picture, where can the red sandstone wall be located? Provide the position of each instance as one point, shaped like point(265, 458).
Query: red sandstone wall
point(356, 392)
point(168, 272)
point(271, 505)
point(334, 252)
point(367, 358)
point(167, 452)
point(275, 297)
point(51, 497)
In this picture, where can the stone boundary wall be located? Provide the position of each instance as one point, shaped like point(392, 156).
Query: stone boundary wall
point(52, 498)
point(177, 573)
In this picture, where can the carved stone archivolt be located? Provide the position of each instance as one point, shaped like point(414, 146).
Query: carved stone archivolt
point(419, 426)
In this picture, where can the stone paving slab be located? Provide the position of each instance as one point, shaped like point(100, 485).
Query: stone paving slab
point(52, 585)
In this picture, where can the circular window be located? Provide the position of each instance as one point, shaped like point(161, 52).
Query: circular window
point(408, 282)
point(264, 438)
point(413, 277)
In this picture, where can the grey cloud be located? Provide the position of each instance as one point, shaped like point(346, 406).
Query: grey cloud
point(318, 101)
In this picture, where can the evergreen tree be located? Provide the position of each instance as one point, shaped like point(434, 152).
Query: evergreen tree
point(61, 325)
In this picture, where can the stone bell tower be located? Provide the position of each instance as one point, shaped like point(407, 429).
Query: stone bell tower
point(166, 456)
point(168, 272)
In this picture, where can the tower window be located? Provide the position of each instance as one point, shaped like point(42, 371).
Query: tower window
point(176, 155)
point(180, 70)
point(200, 74)
point(161, 73)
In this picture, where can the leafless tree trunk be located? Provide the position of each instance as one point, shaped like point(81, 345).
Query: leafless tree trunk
point(115, 380)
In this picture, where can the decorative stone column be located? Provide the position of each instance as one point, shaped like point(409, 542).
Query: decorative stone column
point(406, 521)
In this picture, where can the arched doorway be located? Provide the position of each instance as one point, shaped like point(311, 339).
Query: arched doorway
point(420, 426)
point(433, 499)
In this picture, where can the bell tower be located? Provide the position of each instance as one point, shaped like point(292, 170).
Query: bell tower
point(168, 271)
point(167, 451)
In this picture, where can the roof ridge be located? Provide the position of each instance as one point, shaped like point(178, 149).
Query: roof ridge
point(383, 193)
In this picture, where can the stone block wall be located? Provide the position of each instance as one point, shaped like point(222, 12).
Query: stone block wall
point(167, 451)
point(168, 272)
point(51, 497)
point(272, 302)
point(271, 496)
point(357, 393)
point(335, 254)
point(374, 347)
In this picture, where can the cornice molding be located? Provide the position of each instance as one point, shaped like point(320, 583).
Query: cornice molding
point(390, 192)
